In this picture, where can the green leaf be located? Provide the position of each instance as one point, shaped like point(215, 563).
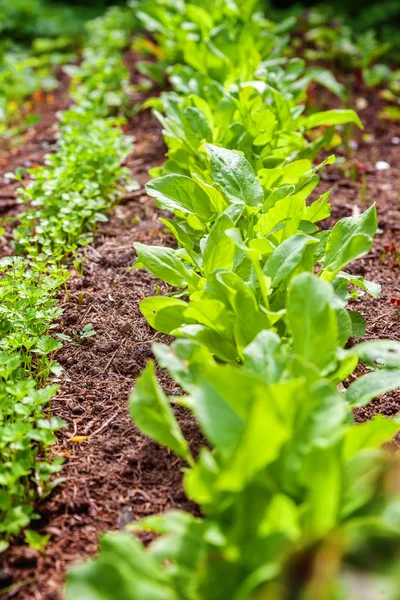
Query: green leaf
point(266, 421)
point(265, 357)
point(328, 80)
point(197, 128)
point(362, 481)
point(318, 210)
point(47, 344)
point(381, 352)
point(163, 313)
point(344, 325)
point(211, 313)
point(337, 116)
point(371, 385)
point(235, 176)
point(371, 434)
point(350, 238)
point(219, 250)
point(287, 257)
point(322, 503)
point(212, 407)
point(358, 323)
point(164, 264)
point(312, 320)
point(178, 192)
point(151, 412)
point(184, 359)
point(36, 540)
point(214, 341)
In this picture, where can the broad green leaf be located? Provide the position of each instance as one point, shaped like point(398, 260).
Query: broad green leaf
point(371, 385)
point(211, 313)
point(338, 116)
point(344, 325)
point(264, 422)
point(178, 192)
point(371, 434)
point(265, 357)
point(163, 263)
point(362, 481)
point(323, 419)
point(350, 238)
point(286, 175)
point(372, 288)
point(235, 176)
point(312, 320)
point(152, 414)
point(382, 352)
point(323, 477)
point(215, 342)
point(163, 313)
point(358, 323)
point(219, 250)
point(184, 359)
point(328, 80)
point(287, 210)
point(212, 407)
point(182, 237)
point(318, 210)
point(197, 128)
point(217, 201)
point(287, 257)
point(199, 480)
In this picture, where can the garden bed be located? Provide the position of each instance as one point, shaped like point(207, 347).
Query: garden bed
point(113, 474)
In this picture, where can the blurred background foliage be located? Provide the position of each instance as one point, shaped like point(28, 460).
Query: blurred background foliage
point(382, 16)
point(26, 19)
point(23, 20)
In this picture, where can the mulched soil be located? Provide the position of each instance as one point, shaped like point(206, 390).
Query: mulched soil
point(118, 475)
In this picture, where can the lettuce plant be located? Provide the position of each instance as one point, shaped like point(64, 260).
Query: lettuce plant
point(237, 272)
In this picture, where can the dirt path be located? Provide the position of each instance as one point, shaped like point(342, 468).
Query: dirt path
point(118, 475)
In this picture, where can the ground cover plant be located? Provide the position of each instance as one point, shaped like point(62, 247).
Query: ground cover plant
point(293, 494)
point(80, 182)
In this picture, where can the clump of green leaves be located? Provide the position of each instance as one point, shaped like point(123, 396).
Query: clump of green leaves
point(242, 239)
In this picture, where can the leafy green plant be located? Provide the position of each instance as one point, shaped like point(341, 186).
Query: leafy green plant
point(236, 272)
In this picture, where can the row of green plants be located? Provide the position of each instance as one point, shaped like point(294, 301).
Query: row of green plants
point(65, 198)
point(297, 500)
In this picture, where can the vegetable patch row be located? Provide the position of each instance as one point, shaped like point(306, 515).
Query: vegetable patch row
point(297, 500)
point(66, 198)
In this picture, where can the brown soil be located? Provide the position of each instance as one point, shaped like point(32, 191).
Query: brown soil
point(117, 475)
